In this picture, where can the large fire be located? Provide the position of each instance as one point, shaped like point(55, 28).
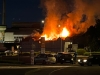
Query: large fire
point(63, 34)
point(75, 16)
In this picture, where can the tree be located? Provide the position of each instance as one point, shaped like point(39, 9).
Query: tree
point(93, 36)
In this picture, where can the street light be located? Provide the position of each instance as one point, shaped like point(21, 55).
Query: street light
point(42, 21)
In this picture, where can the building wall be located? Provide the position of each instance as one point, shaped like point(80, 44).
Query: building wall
point(9, 36)
point(2, 32)
point(53, 46)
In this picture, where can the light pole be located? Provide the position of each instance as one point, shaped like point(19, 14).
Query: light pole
point(32, 53)
point(18, 51)
point(61, 45)
point(60, 37)
point(4, 12)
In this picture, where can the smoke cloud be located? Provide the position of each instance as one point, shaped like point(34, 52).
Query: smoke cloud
point(76, 15)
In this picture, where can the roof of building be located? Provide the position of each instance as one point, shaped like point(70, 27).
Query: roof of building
point(26, 24)
point(24, 28)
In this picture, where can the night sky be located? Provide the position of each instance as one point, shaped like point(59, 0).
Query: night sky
point(22, 11)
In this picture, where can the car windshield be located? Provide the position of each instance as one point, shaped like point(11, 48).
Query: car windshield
point(42, 55)
point(67, 55)
point(95, 56)
point(50, 55)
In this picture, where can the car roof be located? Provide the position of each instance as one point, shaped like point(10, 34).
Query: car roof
point(96, 55)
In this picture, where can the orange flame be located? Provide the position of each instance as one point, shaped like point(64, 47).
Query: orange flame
point(63, 34)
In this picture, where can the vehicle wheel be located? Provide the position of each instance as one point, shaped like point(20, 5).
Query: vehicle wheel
point(89, 64)
point(34, 62)
point(99, 64)
point(61, 62)
point(44, 62)
point(72, 62)
point(82, 64)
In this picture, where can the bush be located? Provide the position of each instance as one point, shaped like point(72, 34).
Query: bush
point(81, 51)
point(87, 53)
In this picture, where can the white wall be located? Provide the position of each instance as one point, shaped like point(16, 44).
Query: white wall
point(75, 47)
point(66, 46)
point(9, 36)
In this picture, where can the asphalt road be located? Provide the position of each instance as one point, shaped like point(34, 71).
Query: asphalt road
point(14, 71)
point(69, 71)
point(50, 70)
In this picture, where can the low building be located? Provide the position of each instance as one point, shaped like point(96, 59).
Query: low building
point(2, 36)
point(2, 33)
point(18, 31)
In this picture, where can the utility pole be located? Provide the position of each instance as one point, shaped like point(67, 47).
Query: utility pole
point(61, 44)
point(4, 12)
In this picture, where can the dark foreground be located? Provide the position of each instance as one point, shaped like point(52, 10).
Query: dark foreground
point(72, 70)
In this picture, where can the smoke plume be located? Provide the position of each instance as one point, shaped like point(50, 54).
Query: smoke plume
point(76, 15)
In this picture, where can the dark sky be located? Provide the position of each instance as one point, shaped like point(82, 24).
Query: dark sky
point(22, 11)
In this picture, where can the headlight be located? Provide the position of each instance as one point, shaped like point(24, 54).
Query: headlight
point(72, 59)
point(62, 59)
point(79, 60)
point(84, 60)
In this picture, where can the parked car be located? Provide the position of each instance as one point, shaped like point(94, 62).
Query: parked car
point(91, 60)
point(64, 58)
point(45, 59)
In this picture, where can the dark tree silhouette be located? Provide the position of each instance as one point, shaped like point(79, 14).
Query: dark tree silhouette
point(93, 36)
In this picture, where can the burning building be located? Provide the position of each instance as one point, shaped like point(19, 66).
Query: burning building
point(65, 18)
point(74, 15)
